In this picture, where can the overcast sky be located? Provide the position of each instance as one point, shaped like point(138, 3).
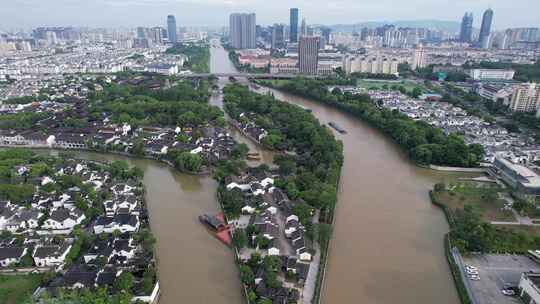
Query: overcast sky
point(130, 13)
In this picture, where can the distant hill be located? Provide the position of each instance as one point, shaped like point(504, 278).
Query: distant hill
point(451, 26)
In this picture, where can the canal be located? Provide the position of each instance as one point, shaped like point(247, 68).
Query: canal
point(388, 238)
point(194, 267)
point(387, 245)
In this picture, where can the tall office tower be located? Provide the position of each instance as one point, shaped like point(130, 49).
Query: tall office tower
point(466, 28)
point(293, 32)
point(303, 28)
point(531, 34)
point(325, 33)
point(308, 53)
point(171, 28)
point(419, 58)
point(278, 36)
point(157, 34)
point(504, 41)
point(485, 29)
point(51, 38)
point(526, 98)
point(141, 32)
point(364, 33)
point(242, 30)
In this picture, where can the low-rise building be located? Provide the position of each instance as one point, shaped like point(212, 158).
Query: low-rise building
point(283, 66)
point(525, 181)
point(529, 288)
point(46, 256)
point(496, 93)
point(11, 255)
point(491, 74)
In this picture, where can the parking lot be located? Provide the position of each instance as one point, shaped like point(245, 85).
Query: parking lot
point(496, 272)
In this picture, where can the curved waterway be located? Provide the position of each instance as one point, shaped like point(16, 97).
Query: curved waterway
point(194, 267)
point(388, 239)
point(387, 245)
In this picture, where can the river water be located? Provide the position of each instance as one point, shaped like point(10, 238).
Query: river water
point(388, 238)
point(194, 267)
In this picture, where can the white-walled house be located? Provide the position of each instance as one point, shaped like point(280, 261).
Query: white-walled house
point(121, 222)
point(21, 219)
point(47, 256)
point(11, 255)
point(305, 256)
point(243, 187)
point(124, 248)
point(127, 202)
point(267, 181)
point(62, 218)
point(121, 189)
point(248, 209)
point(273, 251)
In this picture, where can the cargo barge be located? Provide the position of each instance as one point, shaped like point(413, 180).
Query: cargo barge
point(216, 224)
point(337, 127)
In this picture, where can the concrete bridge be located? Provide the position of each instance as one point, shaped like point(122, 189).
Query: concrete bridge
point(246, 75)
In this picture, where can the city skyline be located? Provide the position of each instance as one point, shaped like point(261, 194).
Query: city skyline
point(112, 13)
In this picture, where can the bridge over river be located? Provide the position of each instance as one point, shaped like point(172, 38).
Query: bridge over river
point(246, 75)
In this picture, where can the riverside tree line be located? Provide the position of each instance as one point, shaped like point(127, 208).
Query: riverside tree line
point(424, 143)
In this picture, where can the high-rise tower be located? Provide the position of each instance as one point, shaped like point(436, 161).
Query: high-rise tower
point(485, 29)
point(308, 54)
point(171, 28)
point(242, 31)
point(466, 28)
point(293, 32)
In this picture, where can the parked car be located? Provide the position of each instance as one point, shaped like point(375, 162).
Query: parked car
point(474, 277)
point(508, 292)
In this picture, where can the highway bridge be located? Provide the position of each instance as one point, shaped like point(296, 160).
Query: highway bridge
point(245, 75)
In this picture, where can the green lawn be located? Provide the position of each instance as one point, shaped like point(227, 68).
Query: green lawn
point(483, 197)
point(15, 289)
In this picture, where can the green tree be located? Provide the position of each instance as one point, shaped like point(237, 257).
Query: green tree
point(189, 162)
point(148, 280)
point(240, 239)
point(138, 148)
point(439, 187)
point(264, 301)
point(416, 92)
point(246, 275)
point(240, 151)
point(124, 282)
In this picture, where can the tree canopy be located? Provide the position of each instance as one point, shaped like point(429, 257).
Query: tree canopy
point(424, 143)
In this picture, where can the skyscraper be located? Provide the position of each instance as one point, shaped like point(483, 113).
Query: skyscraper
point(308, 53)
point(419, 58)
point(157, 34)
point(171, 28)
point(485, 29)
point(293, 32)
point(303, 28)
point(278, 40)
point(141, 32)
point(242, 31)
point(526, 98)
point(325, 33)
point(466, 28)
